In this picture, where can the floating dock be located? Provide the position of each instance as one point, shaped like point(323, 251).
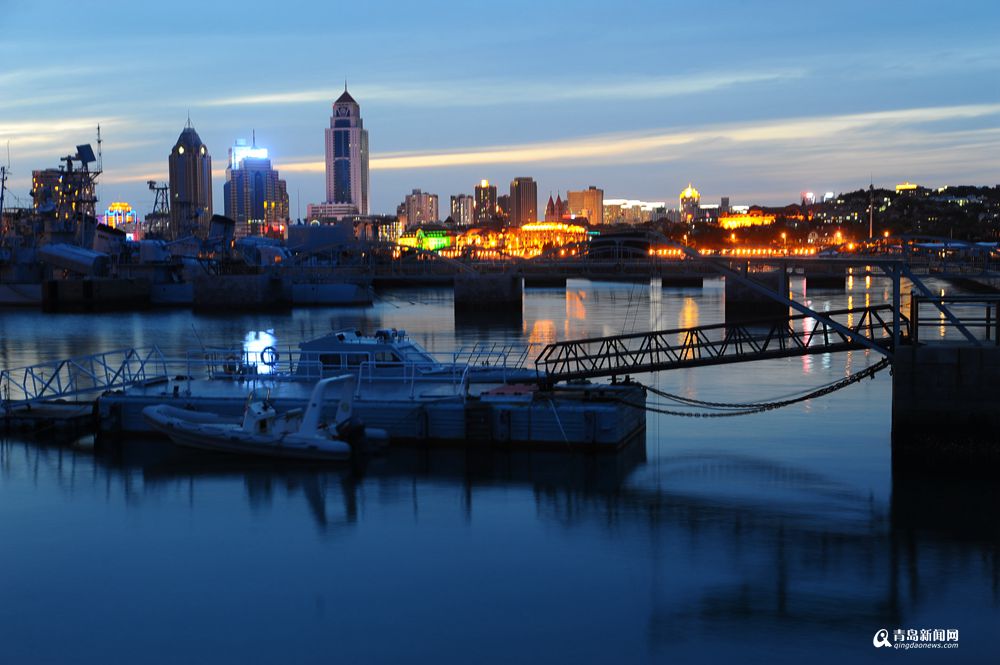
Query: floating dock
point(50, 418)
point(584, 416)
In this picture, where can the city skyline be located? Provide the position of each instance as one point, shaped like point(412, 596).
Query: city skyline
point(671, 95)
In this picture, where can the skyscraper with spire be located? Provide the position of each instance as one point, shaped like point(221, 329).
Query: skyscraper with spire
point(190, 185)
point(346, 159)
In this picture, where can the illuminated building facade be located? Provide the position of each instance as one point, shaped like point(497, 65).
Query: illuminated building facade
point(631, 211)
point(347, 159)
point(690, 203)
point(430, 239)
point(523, 201)
point(119, 214)
point(255, 197)
point(743, 216)
point(486, 202)
point(463, 210)
point(66, 194)
point(739, 220)
point(533, 239)
point(587, 203)
point(524, 241)
point(190, 185)
point(420, 207)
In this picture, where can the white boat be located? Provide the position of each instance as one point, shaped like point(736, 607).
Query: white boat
point(390, 352)
point(479, 396)
point(294, 434)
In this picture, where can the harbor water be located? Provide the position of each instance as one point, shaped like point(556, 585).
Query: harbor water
point(784, 536)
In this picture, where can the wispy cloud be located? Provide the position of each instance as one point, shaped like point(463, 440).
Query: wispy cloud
point(47, 140)
point(36, 74)
point(496, 93)
point(836, 130)
point(135, 173)
point(61, 133)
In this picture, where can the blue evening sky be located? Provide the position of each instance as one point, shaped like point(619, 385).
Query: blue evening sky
point(753, 100)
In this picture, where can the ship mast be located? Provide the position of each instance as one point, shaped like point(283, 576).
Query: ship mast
point(3, 189)
point(4, 170)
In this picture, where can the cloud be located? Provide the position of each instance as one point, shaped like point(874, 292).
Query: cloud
point(36, 74)
point(34, 138)
point(901, 127)
point(497, 93)
point(135, 173)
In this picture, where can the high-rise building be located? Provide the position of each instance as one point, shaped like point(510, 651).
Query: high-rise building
point(523, 201)
point(463, 209)
point(346, 159)
point(690, 204)
point(503, 208)
point(420, 207)
point(724, 205)
point(587, 203)
point(486, 202)
point(190, 185)
point(255, 197)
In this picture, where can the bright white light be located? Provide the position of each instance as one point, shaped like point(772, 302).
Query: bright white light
point(253, 344)
point(241, 151)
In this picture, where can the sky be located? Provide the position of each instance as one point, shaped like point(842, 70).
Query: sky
point(757, 101)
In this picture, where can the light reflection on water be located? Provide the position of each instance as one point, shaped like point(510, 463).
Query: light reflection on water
point(779, 536)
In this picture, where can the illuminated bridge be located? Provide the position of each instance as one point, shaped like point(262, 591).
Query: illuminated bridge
point(803, 334)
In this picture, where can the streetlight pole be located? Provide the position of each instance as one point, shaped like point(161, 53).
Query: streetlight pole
point(871, 210)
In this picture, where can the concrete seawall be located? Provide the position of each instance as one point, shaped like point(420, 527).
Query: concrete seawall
point(497, 292)
point(946, 405)
point(743, 302)
point(239, 292)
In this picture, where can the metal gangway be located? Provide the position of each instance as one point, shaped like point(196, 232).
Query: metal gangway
point(82, 375)
point(619, 355)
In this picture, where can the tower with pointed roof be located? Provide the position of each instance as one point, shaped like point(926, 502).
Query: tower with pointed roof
point(347, 158)
point(690, 203)
point(190, 185)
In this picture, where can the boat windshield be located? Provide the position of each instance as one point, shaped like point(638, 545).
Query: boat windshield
point(412, 353)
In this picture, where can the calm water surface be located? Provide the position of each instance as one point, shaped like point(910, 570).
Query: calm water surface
point(777, 537)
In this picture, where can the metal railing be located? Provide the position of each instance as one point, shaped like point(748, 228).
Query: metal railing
point(496, 354)
point(718, 344)
point(977, 314)
point(83, 375)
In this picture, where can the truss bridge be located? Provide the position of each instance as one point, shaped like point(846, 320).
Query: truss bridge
point(618, 355)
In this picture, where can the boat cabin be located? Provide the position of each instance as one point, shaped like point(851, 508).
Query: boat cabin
point(348, 349)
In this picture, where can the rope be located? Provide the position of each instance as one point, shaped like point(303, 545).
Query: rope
point(628, 309)
point(757, 407)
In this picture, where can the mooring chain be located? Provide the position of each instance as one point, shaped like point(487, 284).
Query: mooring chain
point(751, 408)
